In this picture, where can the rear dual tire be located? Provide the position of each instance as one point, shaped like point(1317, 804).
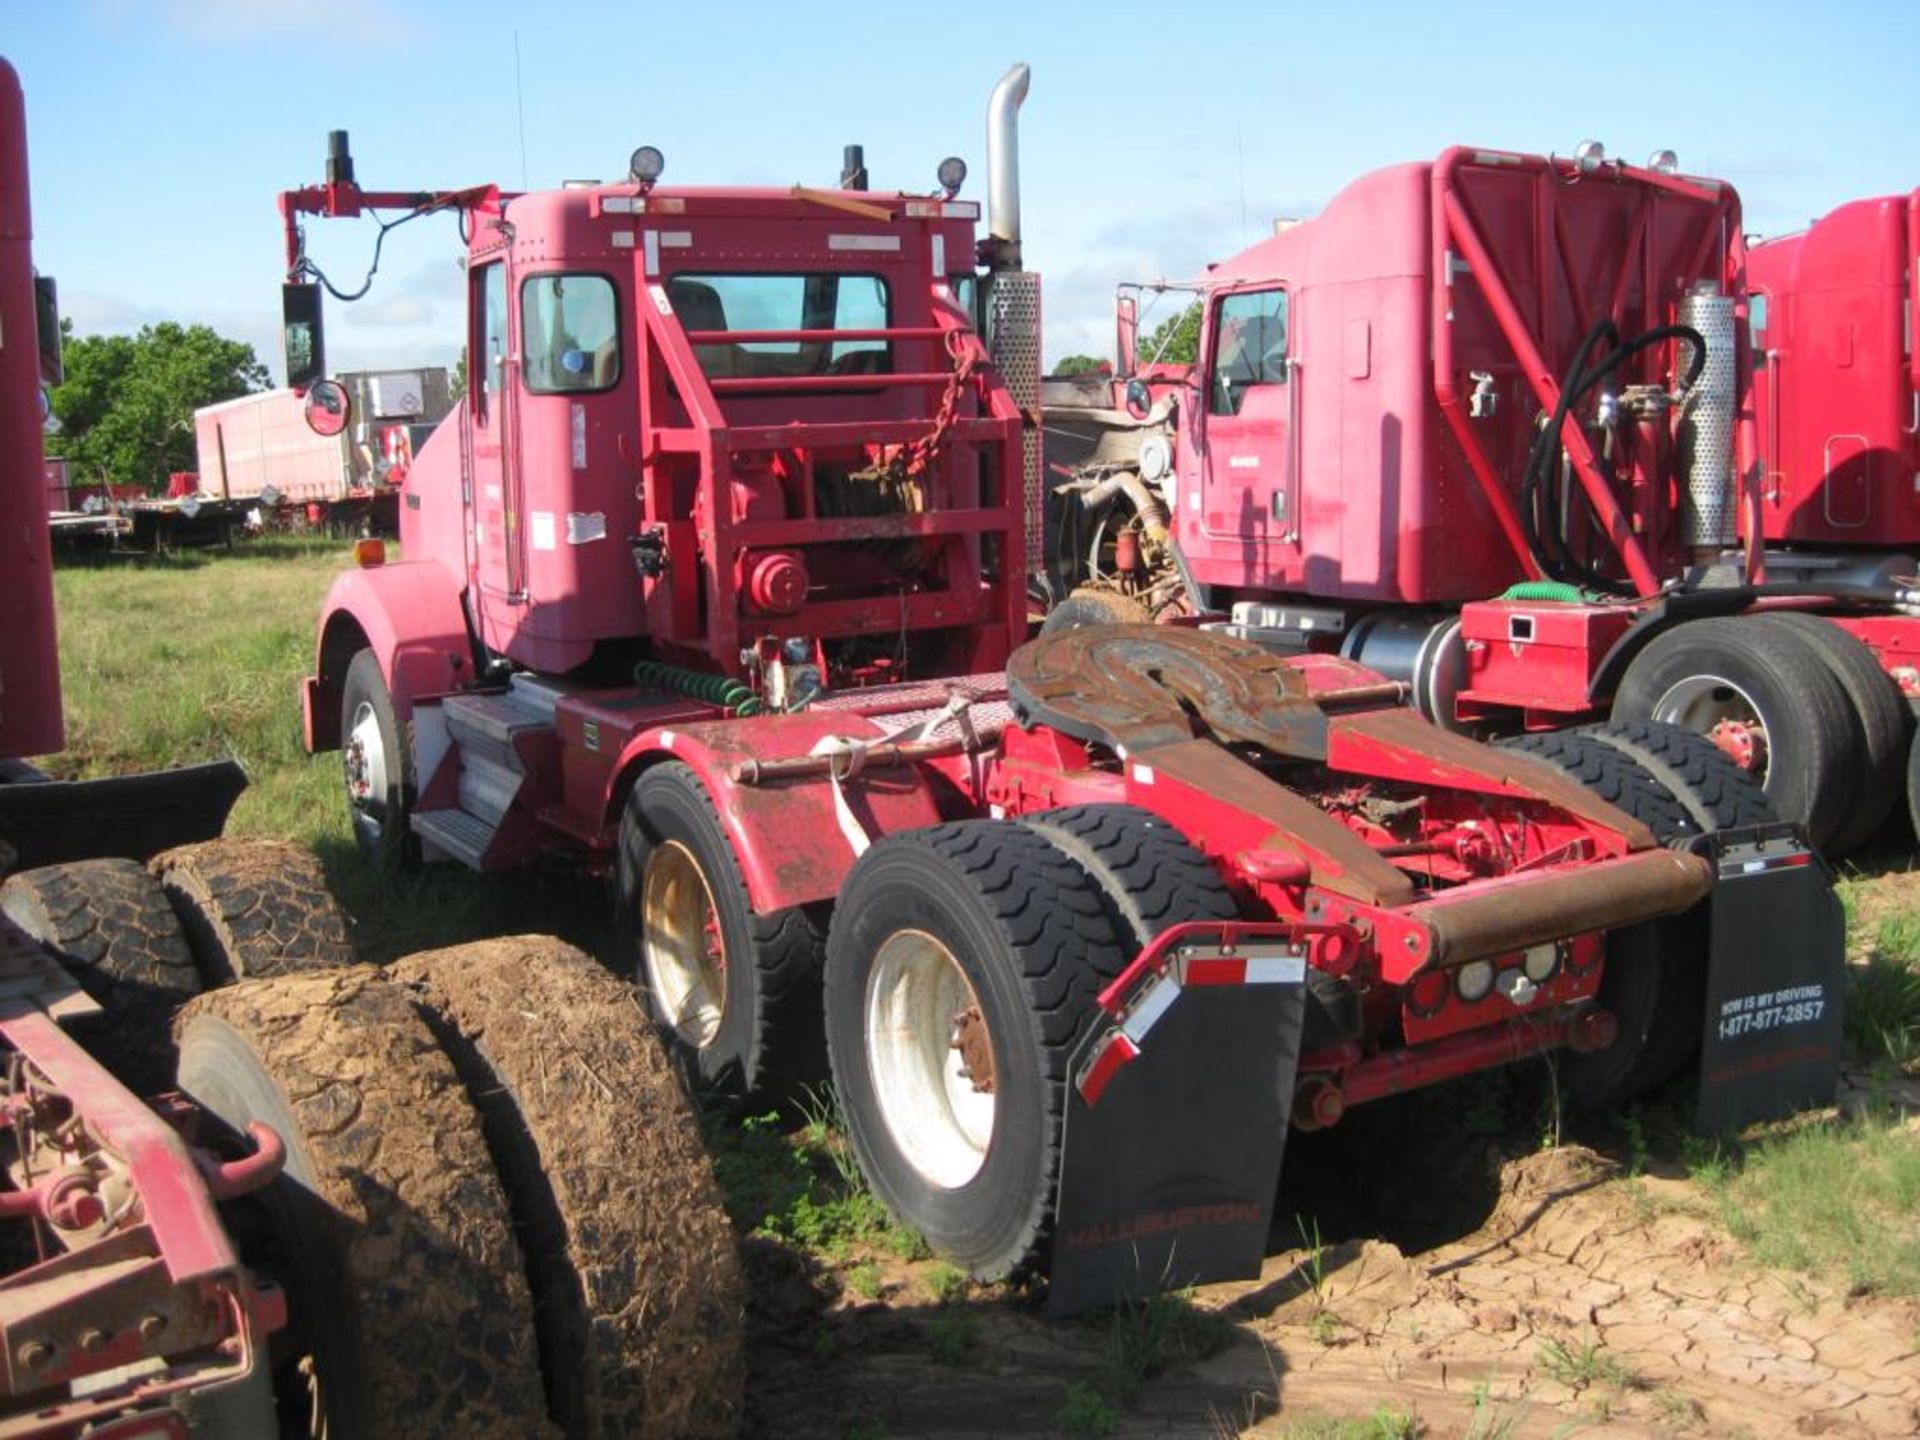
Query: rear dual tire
point(1678, 784)
point(962, 971)
point(736, 993)
point(1803, 703)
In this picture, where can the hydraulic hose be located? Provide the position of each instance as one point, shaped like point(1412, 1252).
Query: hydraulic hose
point(729, 694)
point(1538, 508)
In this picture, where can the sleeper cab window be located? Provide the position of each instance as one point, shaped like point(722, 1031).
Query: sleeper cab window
point(570, 333)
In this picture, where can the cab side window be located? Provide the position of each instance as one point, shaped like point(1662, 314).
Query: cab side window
point(492, 330)
point(570, 330)
point(1249, 347)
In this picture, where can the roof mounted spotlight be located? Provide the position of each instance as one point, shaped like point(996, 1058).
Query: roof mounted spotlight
point(952, 175)
point(1664, 162)
point(645, 166)
point(1589, 155)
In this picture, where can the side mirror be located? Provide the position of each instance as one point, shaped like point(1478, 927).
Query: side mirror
point(46, 314)
point(1139, 399)
point(328, 407)
point(1126, 321)
point(300, 330)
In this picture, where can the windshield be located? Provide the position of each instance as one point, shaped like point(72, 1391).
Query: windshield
point(785, 302)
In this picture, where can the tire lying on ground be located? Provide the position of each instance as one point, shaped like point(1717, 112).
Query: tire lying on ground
point(1678, 784)
point(637, 1289)
point(388, 1228)
point(737, 993)
point(253, 908)
point(1762, 684)
point(109, 924)
point(1882, 715)
point(962, 967)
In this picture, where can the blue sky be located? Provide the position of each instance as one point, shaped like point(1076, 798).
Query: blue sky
point(1156, 137)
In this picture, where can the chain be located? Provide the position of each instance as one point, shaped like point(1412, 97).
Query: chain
point(917, 457)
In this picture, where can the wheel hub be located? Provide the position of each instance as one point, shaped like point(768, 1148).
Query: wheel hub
point(365, 759)
point(1713, 706)
point(1742, 743)
point(683, 950)
point(974, 1047)
point(930, 1056)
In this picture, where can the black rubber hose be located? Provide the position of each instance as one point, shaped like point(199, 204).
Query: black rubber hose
point(1549, 525)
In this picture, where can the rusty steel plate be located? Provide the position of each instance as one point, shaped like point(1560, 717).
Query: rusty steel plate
point(1137, 687)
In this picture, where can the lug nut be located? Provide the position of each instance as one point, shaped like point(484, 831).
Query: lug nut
point(152, 1326)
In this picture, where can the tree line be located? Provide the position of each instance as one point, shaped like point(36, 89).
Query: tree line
point(125, 409)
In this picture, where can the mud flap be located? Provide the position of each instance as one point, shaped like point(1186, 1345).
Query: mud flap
point(1177, 1113)
point(1776, 979)
point(51, 822)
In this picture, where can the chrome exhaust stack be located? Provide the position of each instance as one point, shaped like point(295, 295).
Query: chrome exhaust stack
point(1003, 165)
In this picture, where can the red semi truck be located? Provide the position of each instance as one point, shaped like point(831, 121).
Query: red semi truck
point(301, 1207)
point(1487, 425)
point(716, 585)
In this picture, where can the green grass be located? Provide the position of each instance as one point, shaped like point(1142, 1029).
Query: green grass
point(1883, 996)
point(1839, 1198)
point(1385, 1423)
point(170, 660)
point(1085, 1411)
point(1579, 1366)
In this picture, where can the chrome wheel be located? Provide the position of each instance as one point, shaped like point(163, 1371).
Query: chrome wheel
point(931, 1058)
point(365, 759)
point(682, 948)
point(1715, 707)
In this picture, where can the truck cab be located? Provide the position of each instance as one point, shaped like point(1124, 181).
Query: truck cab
point(1837, 377)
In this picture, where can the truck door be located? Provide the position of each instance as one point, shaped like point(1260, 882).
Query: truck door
point(1248, 486)
point(497, 561)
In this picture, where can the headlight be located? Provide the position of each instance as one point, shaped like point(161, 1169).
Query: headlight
point(1156, 458)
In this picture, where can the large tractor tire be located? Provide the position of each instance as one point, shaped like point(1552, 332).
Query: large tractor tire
point(1883, 716)
point(1678, 784)
point(1088, 606)
point(253, 909)
point(1765, 695)
point(636, 1286)
point(737, 993)
point(376, 758)
point(108, 922)
point(962, 969)
point(410, 1313)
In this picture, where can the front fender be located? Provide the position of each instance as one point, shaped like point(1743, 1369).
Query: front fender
point(409, 614)
point(793, 838)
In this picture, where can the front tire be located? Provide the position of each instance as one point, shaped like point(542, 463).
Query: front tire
point(376, 756)
point(735, 992)
point(962, 969)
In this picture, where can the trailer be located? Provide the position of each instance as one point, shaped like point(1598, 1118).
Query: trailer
point(253, 1189)
point(717, 586)
point(259, 449)
point(1487, 424)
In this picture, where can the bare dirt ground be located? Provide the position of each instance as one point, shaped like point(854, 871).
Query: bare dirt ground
point(1477, 1289)
point(1585, 1302)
